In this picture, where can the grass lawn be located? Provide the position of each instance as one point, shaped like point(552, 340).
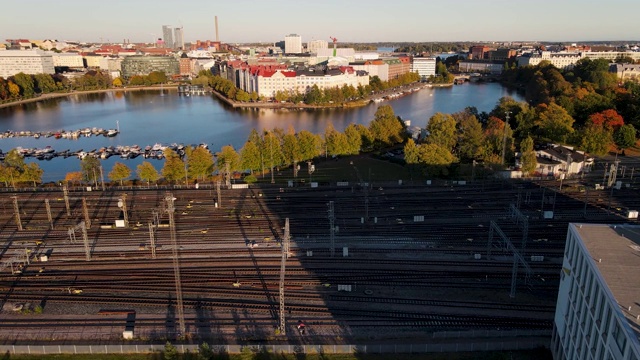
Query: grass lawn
point(344, 169)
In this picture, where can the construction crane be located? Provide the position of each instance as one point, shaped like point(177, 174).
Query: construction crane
point(335, 42)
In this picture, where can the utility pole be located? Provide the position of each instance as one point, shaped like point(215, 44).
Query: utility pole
point(332, 229)
point(283, 261)
point(122, 203)
point(152, 238)
point(16, 210)
point(219, 194)
point(504, 136)
point(65, 191)
point(46, 204)
point(85, 212)
point(176, 264)
point(102, 177)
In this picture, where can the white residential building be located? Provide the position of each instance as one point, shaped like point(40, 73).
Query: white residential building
point(567, 60)
point(26, 61)
point(597, 313)
point(424, 66)
point(71, 60)
point(557, 160)
point(314, 45)
point(268, 83)
point(293, 44)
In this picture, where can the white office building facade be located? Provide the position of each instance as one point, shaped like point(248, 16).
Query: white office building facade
point(293, 44)
point(26, 61)
point(424, 66)
point(598, 314)
point(314, 45)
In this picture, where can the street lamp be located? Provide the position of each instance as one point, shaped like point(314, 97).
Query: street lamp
point(504, 136)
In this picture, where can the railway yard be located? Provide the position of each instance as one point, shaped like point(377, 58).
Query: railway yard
point(409, 260)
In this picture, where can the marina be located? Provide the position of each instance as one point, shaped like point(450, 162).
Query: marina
point(61, 134)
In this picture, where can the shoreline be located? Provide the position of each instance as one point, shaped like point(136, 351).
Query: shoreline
point(289, 106)
point(65, 94)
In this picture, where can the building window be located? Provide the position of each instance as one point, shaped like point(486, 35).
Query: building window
point(619, 336)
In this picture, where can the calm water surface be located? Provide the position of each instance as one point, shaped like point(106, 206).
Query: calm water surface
point(149, 117)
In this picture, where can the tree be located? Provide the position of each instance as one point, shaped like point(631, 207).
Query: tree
point(442, 131)
point(205, 352)
point(25, 82)
point(170, 352)
point(14, 90)
point(146, 172)
point(117, 82)
point(174, 168)
point(250, 156)
point(272, 149)
point(385, 127)
point(119, 172)
point(354, 139)
point(433, 159)
point(228, 160)
point(625, 137)
point(44, 83)
point(609, 119)
point(291, 148)
point(310, 145)
point(554, 122)
point(157, 77)
point(596, 139)
point(335, 141)
point(470, 136)
point(73, 177)
point(32, 173)
point(90, 167)
point(528, 159)
point(200, 162)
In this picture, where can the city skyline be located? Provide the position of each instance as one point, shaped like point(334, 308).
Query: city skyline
point(357, 21)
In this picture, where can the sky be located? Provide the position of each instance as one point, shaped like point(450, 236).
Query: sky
point(268, 21)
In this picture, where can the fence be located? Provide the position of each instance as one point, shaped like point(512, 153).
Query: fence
point(445, 347)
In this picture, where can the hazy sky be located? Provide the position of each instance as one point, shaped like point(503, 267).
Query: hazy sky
point(348, 20)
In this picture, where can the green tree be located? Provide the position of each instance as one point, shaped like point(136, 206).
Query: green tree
point(470, 136)
point(242, 96)
point(272, 149)
point(310, 145)
point(335, 141)
point(25, 82)
point(14, 90)
point(385, 127)
point(354, 139)
point(157, 77)
point(170, 352)
point(596, 140)
point(146, 172)
point(250, 156)
point(119, 172)
point(625, 137)
point(432, 159)
point(291, 149)
point(528, 158)
point(200, 162)
point(205, 352)
point(32, 173)
point(174, 168)
point(554, 123)
point(44, 83)
point(90, 167)
point(228, 160)
point(442, 131)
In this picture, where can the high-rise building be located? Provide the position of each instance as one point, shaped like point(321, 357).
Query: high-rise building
point(167, 36)
point(315, 45)
point(179, 38)
point(597, 311)
point(293, 44)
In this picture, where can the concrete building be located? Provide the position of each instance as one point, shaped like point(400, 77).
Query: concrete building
point(315, 45)
point(268, 83)
point(626, 71)
point(92, 61)
point(481, 66)
point(293, 44)
point(167, 36)
point(377, 68)
point(143, 65)
point(70, 60)
point(178, 42)
point(26, 61)
point(567, 60)
point(598, 313)
point(424, 66)
point(111, 65)
point(398, 66)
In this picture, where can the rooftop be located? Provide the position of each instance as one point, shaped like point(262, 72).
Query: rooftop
point(615, 250)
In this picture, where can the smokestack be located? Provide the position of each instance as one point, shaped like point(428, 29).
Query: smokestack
point(217, 35)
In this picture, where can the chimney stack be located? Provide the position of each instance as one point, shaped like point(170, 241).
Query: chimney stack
point(217, 35)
